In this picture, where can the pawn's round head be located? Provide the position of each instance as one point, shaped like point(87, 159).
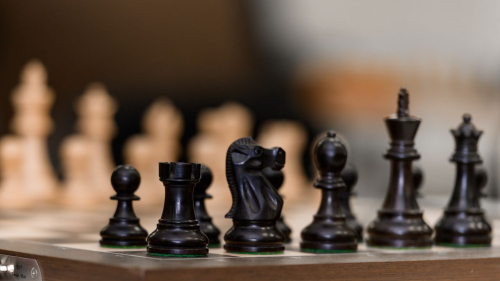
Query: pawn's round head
point(349, 176)
point(330, 154)
point(205, 179)
point(125, 179)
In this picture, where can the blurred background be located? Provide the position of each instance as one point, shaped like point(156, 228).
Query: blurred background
point(325, 64)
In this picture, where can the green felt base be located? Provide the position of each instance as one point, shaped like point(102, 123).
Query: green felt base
point(451, 245)
point(320, 251)
point(263, 253)
point(123, 247)
point(400, 248)
point(214, 245)
point(177, 256)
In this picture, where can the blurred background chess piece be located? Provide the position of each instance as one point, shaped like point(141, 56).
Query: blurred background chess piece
point(162, 126)
point(32, 101)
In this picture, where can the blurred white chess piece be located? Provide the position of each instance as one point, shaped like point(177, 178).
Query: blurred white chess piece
point(163, 126)
point(217, 129)
point(12, 193)
point(78, 192)
point(32, 101)
point(96, 110)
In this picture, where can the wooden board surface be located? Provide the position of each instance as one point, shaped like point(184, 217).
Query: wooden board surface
point(65, 245)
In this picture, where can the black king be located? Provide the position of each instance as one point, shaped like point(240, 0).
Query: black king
point(400, 223)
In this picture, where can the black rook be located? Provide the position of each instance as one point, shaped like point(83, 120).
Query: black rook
point(178, 232)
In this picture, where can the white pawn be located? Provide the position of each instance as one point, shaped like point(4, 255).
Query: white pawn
point(163, 126)
point(96, 110)
point(78, 192)
point(12, 193)
point(32, 101)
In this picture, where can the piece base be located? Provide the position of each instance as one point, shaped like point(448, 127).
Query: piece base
point(451, 245)
point(320, 251)
point(176, 256)
point(178, 251)
point(254, 249)
point(255, 253)
point(400, 248)
point(351, 246)
point(422, 242)
point(122, 243)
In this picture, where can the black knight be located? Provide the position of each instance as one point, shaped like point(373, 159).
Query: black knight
point(256, 203)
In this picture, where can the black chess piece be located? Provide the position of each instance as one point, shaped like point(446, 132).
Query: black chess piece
point(418, 179)
point(200, 194)
point(350, 177)
point(124, 229)
point(329, 232)
point(481, 180)
point(178, 232)
point(400, 222)
point(256, 203)
point(463, 223)
point(276, 178)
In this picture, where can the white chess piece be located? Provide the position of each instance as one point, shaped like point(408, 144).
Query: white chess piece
point(96, 110)
point(78, 192)
point(218, 128)
point(32, 101)
point(163, 125)
point(12, 193)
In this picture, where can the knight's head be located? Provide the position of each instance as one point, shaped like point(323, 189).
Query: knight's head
point(245, 155)
point(246, 152)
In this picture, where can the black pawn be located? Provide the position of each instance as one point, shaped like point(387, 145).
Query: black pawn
point(124, 229)
point(481, 180)
point(276, 178)
point(418, 179)
point(463, 223)
point(329, 232)
point(178, 232)
point(400, 222)
point(200, 194)
point(350, 177)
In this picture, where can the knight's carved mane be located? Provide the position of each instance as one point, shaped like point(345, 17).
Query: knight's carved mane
point(230, 176)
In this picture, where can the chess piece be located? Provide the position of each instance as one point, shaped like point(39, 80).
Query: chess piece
point(75, 161)
point(463, 223)
point(350, 177)
point(96, 109)
point(418, 178)
point(139, 152)
point(178, 232)
point(124, 230)
point(162, 127)
point(256, 204)
point(218, 128)
point(292, 137)
point(200, 194)
point(32, 101)
point(329, 232)
point(481, 180)
point(276, 179)
point(12, 195)
point(400, 223)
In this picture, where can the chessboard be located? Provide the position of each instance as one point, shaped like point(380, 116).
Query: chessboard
point(55, 244)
